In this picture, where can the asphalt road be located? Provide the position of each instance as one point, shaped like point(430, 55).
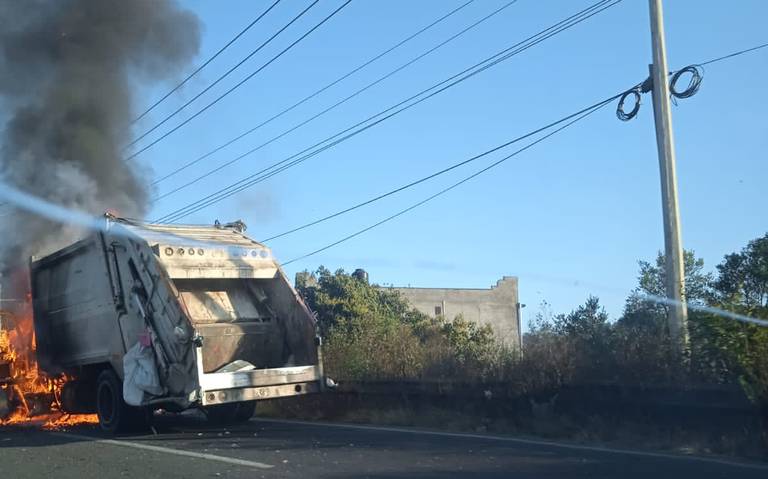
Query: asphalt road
point(186, 447)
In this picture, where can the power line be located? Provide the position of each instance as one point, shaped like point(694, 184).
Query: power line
point(242, 135)
point(583, 114)
point(444, 170)
point(443, 85)
point(451, 187)
point(734, 54)
point(338, 103)
point(489, 62)
point(222, 77)
point(309, 97)
point(241, 82)
point(205, 64)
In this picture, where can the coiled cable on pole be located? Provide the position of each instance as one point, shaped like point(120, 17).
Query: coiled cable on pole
point(620, 112)
point(694, 82)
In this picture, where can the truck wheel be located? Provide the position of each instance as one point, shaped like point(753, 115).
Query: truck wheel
point(245, 411)
point(77, 397)
point(5, 404)
point(231, 413)
point(114, 414)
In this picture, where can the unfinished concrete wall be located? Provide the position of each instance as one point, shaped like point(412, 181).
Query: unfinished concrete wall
point(497, 306)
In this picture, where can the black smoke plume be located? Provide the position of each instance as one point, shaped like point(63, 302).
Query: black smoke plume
point(67, 72)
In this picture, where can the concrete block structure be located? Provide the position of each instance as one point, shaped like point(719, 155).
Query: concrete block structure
point(497, 306)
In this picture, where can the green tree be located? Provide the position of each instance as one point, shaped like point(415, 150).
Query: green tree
point(470, 341)
point(642, 312)
point(641, 338)
point(588, 322)
point(587, 327)
point(735, 349)
point(652, 279)
point(343, 301)
point(743, 278)
point(566, 347)
point(367, 330)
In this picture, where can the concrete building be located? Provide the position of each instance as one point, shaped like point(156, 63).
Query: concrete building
point(497, 306)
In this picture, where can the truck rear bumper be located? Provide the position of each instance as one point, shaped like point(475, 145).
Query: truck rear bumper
point(257, 384)
point(222, 396)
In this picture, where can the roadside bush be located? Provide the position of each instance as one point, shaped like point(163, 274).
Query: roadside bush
point(376, 351)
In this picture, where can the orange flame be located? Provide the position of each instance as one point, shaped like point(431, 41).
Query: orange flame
point(63, 421)
point(33, 395)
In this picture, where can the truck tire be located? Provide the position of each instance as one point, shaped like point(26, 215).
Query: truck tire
point(231, 413)
point(5, 404)
point(115, 415)
point(245, 411)
point(77, 397)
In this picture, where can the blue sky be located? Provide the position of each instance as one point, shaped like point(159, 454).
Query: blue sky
point(570, 217)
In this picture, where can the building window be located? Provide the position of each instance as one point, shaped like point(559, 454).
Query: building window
point(438, 310)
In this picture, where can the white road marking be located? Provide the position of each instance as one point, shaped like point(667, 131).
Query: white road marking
point(168, 450)
point(516, 440)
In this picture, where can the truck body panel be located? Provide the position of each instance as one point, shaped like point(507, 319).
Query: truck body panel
point(74, 302)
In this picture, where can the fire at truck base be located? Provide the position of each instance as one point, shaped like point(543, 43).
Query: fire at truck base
point(27, 396)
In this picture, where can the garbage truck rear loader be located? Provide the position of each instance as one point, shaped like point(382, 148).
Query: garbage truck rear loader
point(147, 317)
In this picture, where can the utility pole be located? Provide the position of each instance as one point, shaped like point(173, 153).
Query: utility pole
point(677, 318)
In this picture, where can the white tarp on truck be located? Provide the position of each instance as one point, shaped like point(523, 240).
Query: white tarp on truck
point(141, 376)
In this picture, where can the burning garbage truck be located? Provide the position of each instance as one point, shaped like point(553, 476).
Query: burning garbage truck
point(136, 318)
